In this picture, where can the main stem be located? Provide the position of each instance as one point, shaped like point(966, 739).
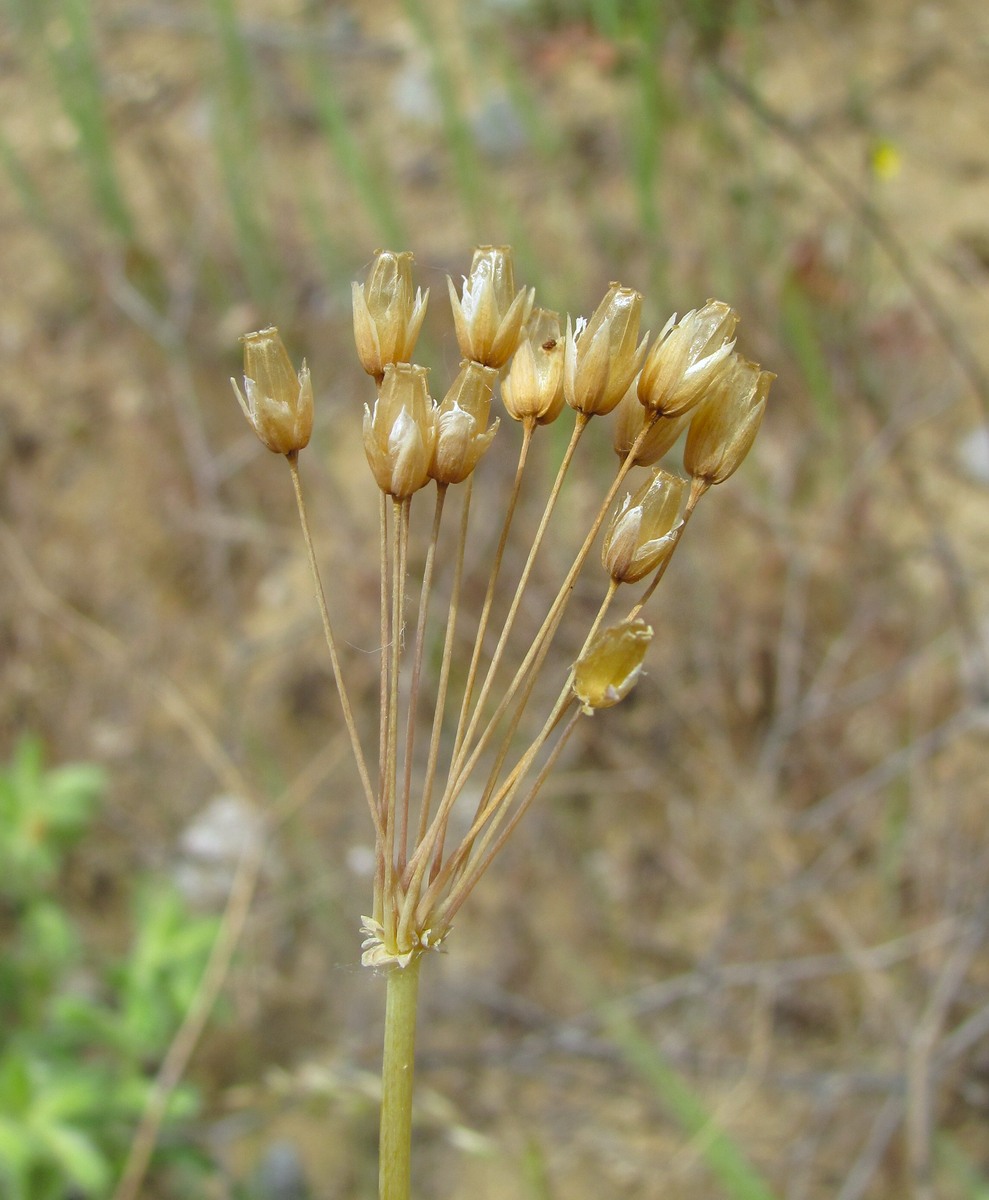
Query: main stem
point(395, 1146)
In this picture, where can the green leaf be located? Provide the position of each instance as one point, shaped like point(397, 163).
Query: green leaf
point(41, 814)
point(15, 1083)
point(78, 1157)
point(15, 1150)
point(70, 1094)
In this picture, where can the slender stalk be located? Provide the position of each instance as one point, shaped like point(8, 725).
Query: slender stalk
point(414, 872)
point(348, 712)
point(566, 588)
point(431, 843)
point(382, 876)
point(463, 744)
point(399, 540)
point(613, 586)
point(482, 624)
point(413, 704)
point(486, 852)
point(486, 808)
point(384, 629)
point(444, 680)
point(398, 1061)
point(536, 654)
point(491, 810)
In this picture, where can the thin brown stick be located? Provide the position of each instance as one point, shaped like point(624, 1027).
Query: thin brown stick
point(425, 593)
point(580, 424)
point(444, 679)
point(181, 1048)
point(482, 624)
point(399, 548)
point(536, 654)
point(486, 852)
point(485, 807)
point(384, 639)
point(348, 712)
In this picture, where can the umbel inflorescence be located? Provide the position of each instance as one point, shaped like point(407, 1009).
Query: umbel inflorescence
point(475, 773)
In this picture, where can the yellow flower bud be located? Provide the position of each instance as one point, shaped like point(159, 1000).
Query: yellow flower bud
point(279, 402)
point(723, 428)
point(644, 530)
point(490, 315)
point(687, 359)
point(610, 666)
point(631, 418)
point(533, 388)
point(400, 433)
point(387, 317)
point(463, 433)
point(601, 358)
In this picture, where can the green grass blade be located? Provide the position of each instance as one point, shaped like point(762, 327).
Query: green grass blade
point(720, 1153)
point(962, 1171)
point(79, 83)
point(237, 142)
point(803, 338)
point(535, 1172)
point(373, 188)
point(653, 114)
point(472, 182)
point(30, 197)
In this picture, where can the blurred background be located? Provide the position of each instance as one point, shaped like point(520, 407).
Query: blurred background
point(739, 948)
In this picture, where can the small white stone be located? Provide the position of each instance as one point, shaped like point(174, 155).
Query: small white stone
point(973, 454)
point(361, 861)
point(211, 846)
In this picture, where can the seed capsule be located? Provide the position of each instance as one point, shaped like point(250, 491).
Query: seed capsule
point(279, 402)
point(644, 531)
point(387, 317)
point(463, 433)
point(490, 314)
point(630, 420)
point(724, 427)
point(601, 358)
point(687, 359)
point(400, 433)
point(533, 388)
point(610, 666)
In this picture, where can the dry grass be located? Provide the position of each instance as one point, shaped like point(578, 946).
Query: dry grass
point(775, 855)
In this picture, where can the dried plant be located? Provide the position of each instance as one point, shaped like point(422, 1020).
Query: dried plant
point(482, 755)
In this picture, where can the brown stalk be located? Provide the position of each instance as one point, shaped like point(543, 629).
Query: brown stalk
point(482, 625)
point(413, 703)
point(348, 712)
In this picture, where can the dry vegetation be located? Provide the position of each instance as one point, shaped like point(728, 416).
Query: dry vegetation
point(775, 856)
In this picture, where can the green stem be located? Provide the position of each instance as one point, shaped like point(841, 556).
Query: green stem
point(394, 1168)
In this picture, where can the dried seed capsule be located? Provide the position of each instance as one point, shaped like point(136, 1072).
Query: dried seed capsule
point(723, 428)
point(279, 402)
point(601, 358)
point(644, 531)
point(687, 359)
point(630, 420)
point(610, 666)
point(490, 315)
point(400, 433)
point(463, 433)
point(387, 317)
point(533, 388)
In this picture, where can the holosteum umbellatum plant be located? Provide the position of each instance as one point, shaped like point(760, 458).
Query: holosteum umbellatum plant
point(477, 760)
